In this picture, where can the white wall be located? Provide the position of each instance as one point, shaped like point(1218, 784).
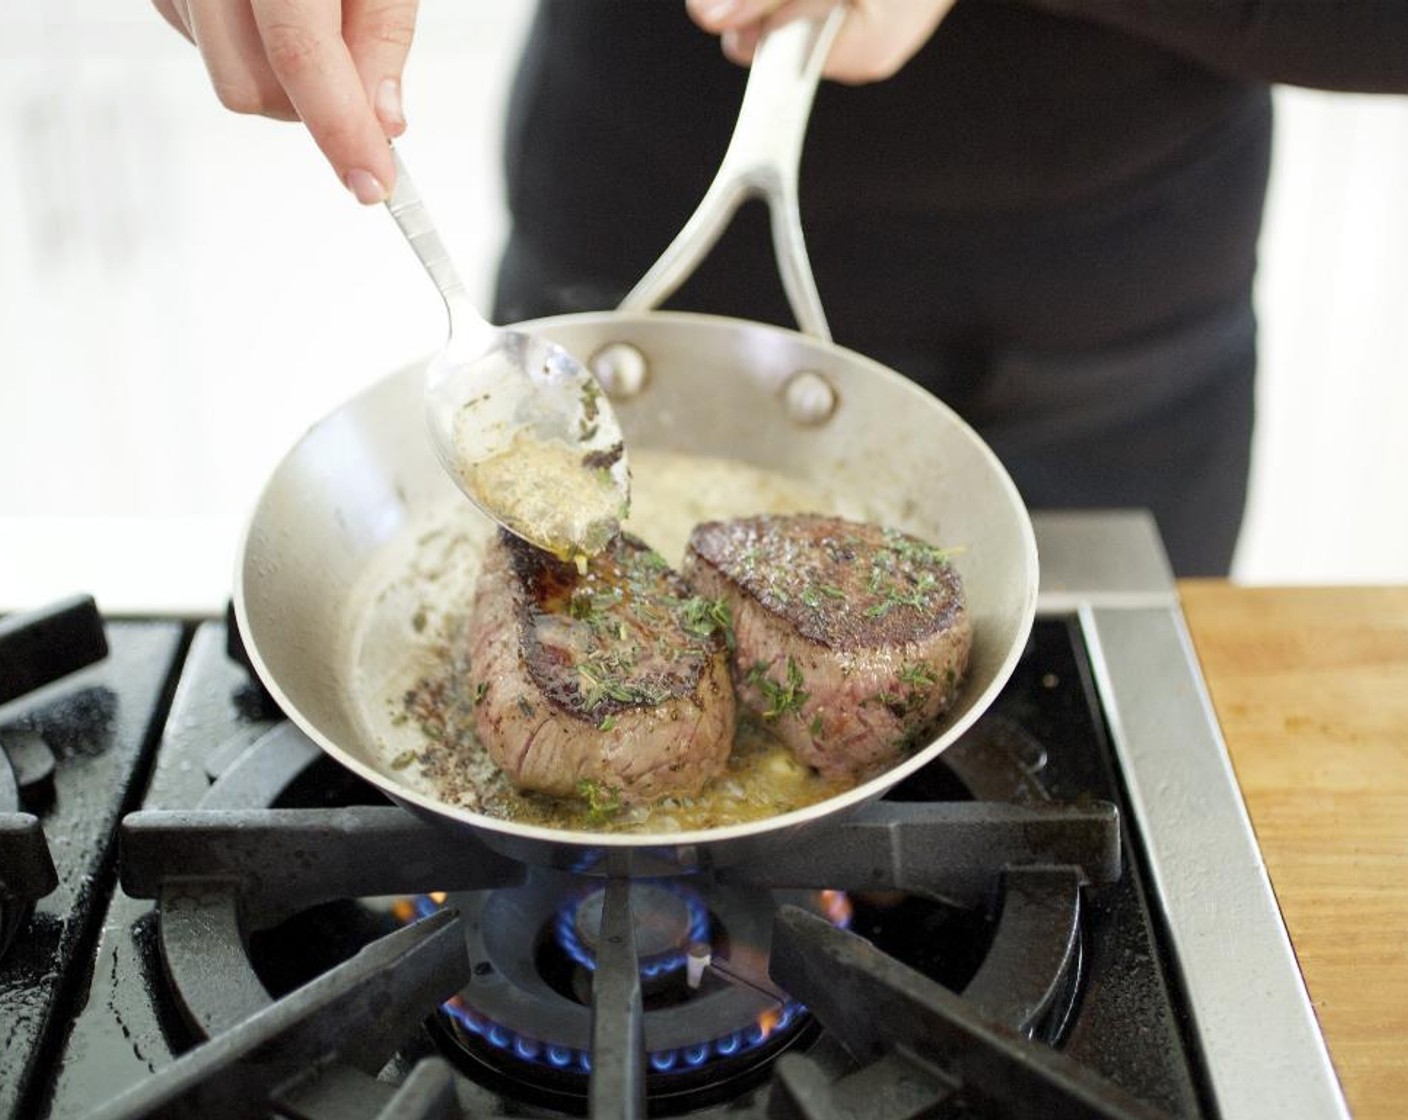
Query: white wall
point(183, 291)
point(1330, 481)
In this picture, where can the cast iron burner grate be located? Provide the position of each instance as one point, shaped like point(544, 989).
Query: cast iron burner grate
point(237, 868)
point(81, 705)
point(36, 649)
point(26, 868)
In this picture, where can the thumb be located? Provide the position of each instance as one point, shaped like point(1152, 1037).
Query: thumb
point(378, 36)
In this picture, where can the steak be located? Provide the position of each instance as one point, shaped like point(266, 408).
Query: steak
point(611, 684)
point(850, 638)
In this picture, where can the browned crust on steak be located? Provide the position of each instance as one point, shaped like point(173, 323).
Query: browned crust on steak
point(843, 584)
point(623, 615)
point(610, 678)
point(851, 638)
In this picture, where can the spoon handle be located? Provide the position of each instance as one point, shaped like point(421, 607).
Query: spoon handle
point(416, 223)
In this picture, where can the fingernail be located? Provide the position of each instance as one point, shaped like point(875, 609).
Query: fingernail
point(365, 186)
point(388, 103)
point(720, 9)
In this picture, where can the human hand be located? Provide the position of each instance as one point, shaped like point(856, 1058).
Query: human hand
point(877, 39)
point(333, 64)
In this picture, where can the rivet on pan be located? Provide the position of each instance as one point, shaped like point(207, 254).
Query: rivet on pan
point(809, 397)
point(621, 369)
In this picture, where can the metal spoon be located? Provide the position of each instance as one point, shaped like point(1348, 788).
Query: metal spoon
point(521, 426)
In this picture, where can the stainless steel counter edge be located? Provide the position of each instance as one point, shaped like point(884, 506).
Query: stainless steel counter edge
point(1265, 1055)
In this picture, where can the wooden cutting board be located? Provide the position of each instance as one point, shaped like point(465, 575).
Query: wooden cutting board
point(1311, 688)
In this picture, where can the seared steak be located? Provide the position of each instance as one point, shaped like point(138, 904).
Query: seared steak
point(849, 638)
point(612, 685)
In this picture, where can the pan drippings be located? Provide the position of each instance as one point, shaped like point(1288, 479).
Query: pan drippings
point(412, 675)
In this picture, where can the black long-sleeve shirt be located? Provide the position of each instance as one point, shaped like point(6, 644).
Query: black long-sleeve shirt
point(1013, 104)
point(1348, 45)
point(1049, 217)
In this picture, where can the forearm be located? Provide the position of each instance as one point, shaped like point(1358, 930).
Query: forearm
point(1350, 45)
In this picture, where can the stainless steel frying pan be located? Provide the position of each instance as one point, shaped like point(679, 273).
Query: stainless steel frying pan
point(356, 497)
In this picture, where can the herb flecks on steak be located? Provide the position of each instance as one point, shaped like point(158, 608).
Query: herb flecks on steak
point(626, 633)
point(850, 639)
point(615, 676)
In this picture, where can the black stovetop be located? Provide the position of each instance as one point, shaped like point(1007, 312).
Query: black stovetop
point(254, 957)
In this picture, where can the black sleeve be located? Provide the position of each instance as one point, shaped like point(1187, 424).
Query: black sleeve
point(1348, 45)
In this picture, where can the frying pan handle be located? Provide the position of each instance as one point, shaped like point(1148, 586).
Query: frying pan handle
point(761, 161)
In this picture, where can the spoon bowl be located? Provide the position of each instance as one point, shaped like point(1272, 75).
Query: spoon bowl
point(522, 427)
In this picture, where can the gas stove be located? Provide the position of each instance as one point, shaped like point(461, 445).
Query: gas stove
point(1065, 915)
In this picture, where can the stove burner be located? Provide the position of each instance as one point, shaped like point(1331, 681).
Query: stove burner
point(524, 1019)
point(257, 869)
point(529, 1013)
point(669, 915)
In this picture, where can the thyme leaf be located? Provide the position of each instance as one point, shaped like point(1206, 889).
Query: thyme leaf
point(598, 686)
point(781, 698)
point(603, 801)
point(703, 617)
point(814, 594)
point(919, 676)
